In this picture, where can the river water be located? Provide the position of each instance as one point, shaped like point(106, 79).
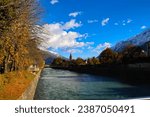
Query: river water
point(66, 85)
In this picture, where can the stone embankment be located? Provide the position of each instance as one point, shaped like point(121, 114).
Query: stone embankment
point(28, 94)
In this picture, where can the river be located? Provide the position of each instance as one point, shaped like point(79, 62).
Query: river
point(66, 85)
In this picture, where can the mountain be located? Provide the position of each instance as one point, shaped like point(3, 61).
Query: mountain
point(137, 40)
point(49, 56)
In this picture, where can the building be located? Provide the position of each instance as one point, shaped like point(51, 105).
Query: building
point(70, 57)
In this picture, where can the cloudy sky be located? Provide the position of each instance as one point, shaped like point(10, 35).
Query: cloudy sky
point(86, 27)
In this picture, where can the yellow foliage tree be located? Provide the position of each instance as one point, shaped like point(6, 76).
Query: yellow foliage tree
point(18, 37)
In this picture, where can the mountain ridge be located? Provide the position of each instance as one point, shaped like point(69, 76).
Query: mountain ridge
point(49, 56)
point(138, 40)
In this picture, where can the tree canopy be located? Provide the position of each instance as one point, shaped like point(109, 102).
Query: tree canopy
point(18, 41)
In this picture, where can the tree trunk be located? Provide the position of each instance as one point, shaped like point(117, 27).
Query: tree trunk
point(12, 66)
point(5, 65)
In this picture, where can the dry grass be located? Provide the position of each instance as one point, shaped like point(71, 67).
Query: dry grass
point(13, 84)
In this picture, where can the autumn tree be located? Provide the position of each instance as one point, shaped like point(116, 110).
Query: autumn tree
point(57, 61)
point(80, 61)
point(89, 61)
point(17, 35)
point(93, 61)
point(108, 56)
point(132, 53)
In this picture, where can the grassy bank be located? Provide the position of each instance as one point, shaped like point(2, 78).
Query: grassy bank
point(13, 84)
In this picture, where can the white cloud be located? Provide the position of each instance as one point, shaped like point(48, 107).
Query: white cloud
point(129, 21)
point(74, 14)
point(102, 47)
point(89, 43)
point(116, 24)
point(105, 21)
point(76, 50)
point(59, 36)
point(54, 2)
point(124, 24)
point(92, 21)
point(71, 24)
point(143, 27)
point(73, 51)
point(90, 47)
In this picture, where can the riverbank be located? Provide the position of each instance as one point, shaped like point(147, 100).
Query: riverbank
point(124, 73)
point(29, 93)
point(17, 85)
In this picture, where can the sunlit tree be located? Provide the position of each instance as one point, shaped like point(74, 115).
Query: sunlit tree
point(57, 61)
point(80, 61)
point(108, 56)
point(17, 35)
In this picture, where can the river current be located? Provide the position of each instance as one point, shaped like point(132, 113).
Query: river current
point(66, 85)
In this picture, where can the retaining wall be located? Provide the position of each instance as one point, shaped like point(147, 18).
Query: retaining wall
point(28, 94)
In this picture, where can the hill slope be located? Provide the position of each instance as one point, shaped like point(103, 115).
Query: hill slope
point(49, 56)
point(137, 40)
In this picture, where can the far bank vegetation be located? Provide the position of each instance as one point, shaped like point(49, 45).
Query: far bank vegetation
point(130, 55)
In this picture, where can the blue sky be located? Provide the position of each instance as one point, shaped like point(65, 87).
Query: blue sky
point(86, 27)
